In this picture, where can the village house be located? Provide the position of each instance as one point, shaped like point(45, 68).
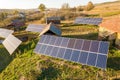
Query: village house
point(110, 30)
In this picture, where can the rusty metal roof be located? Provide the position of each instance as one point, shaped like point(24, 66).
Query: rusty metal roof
point(112, 25)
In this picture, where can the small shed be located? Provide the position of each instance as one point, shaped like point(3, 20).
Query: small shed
point(110, 30)
point(55, 20)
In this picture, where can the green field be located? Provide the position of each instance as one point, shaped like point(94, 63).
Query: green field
point(26, 65)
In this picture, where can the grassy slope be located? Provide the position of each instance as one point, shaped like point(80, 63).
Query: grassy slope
point(30, 66)
point(109, 9)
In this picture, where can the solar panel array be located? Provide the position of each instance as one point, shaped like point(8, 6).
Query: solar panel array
point(5, 33)
point(86, 52)
point(11, 43)
point(35, 28)
point(85, 20)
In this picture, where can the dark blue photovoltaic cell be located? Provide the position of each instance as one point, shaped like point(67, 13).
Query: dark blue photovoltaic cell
point(54, 51)
point(94, 46)
point(92, 59)
point(48, 50)
point(64, 42)
point(83, 57)
point(42, 39)
point(86, 45)
point(75, 55)
point(101, 61)
point(67, 54)
point(52, 40)
point(47, 40)
point(37, 47)
point(59, 41)
point(78, 44)
point(103, 47)
point(42, 49)
point(60, 53)
point(71, 43)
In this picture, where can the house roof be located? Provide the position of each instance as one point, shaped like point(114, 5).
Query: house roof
point(112, 25)
point(17, 23)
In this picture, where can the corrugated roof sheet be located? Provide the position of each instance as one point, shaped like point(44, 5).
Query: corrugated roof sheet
point(112, 24)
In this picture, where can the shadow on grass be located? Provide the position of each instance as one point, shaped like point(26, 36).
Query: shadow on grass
point(49, 73)
point(114, 63)
point(90, 36)
point(26, 46)
point(73, 25)
point(5, 58)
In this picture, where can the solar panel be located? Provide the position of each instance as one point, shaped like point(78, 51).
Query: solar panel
point(86, 52)
point(85, 20)
point(55, 30)
point(35, 28)
point(11, 43)
point(5, 32)
point(1, 41)
point(44, 29)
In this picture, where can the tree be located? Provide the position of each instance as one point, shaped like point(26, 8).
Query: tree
point(65, 6)
point(89, 6)
point(42, 7)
